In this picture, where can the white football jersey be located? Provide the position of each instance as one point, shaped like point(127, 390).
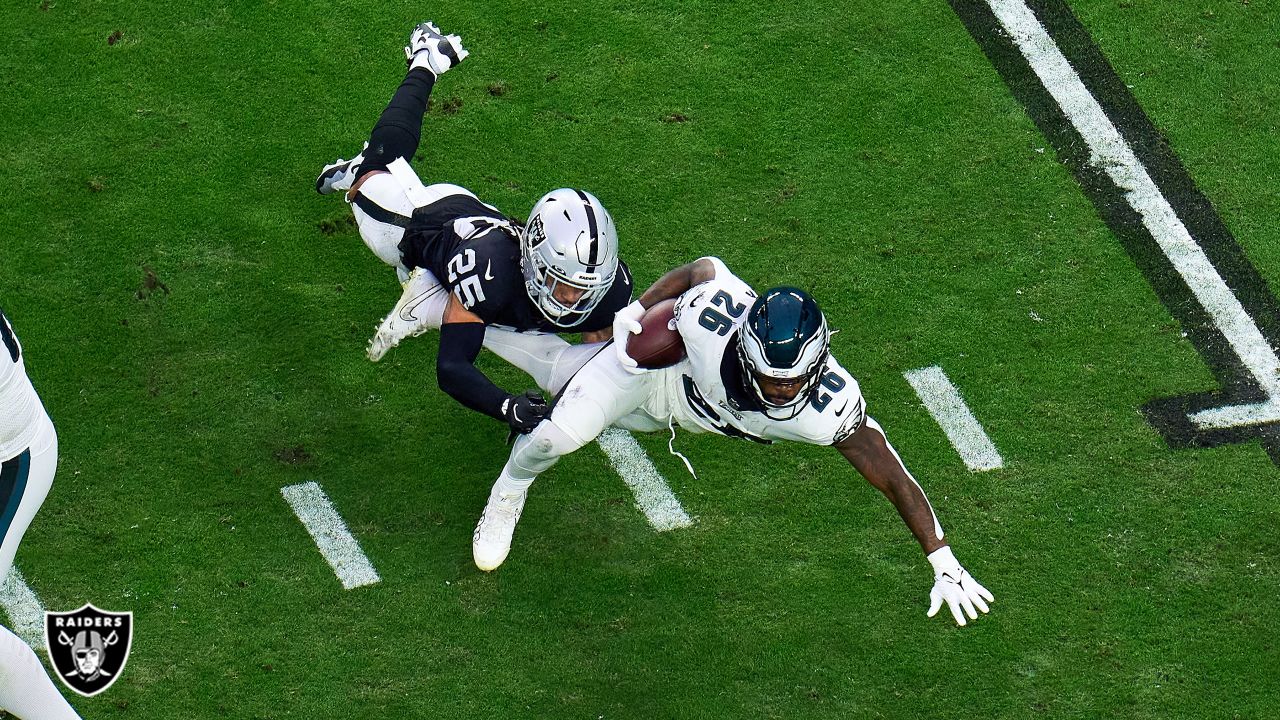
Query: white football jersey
point(708, 395)
point(20, 408)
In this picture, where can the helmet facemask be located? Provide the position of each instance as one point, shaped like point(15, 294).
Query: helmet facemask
point(785, 338)
point(569, 242)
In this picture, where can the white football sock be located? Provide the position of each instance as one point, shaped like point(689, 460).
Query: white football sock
point(507, 485)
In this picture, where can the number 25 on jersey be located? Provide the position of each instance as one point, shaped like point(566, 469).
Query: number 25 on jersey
point(468, 291)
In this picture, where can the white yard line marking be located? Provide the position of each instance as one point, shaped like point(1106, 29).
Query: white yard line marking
point(944, 403)
point(653, 496)
point(336, 544)
point(1110, 152)
point(24, 608)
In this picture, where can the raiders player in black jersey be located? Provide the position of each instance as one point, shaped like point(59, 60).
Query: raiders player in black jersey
point(465, 267)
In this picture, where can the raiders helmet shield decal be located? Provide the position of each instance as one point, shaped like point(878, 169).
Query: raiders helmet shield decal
point(88, 647)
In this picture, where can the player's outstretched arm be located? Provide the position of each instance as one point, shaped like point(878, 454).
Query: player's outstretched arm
point(869, 452)
point(461, 337)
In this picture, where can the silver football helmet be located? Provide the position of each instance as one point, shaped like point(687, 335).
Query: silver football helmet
point(569, 254)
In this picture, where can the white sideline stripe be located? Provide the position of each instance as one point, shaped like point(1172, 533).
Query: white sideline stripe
point(1110, 152)
point(336, 544)
point(944, 403)
point(24, 608)
point(653, 496)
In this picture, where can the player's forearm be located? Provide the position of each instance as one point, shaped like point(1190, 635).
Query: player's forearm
point(466, 384)
point(869, 452)
point(457, 374)
point(912, 505)
point(676, 282)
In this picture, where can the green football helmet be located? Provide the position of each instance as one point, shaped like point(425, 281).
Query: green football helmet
point(785, 340)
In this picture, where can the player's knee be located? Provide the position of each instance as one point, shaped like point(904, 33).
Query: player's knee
point(547, 443)
point(554, 441)
point(388, 141)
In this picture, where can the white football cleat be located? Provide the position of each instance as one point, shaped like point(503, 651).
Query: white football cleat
point(431, 49)
point(340, 175)
point(419, 309)
point(492, 539)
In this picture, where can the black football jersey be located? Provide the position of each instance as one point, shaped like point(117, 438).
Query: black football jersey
point(474, 250)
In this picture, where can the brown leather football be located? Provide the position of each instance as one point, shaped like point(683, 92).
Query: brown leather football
point(658, 345)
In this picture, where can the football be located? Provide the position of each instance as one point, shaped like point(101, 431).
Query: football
point(658, 345)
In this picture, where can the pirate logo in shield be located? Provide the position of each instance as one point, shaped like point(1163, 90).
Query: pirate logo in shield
point(88, 647)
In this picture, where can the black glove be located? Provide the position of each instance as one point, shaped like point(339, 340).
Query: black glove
point(524, 412)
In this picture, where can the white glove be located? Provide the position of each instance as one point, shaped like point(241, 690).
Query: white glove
point(626, 322)
point(955, 585)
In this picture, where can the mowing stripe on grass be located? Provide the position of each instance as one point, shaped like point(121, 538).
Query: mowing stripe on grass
point(336, 544)
point(944, 403)
point(653, 496)
point(26, 614)
point(1129, 171)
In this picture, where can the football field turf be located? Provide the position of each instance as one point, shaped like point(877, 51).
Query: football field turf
point(194, 317)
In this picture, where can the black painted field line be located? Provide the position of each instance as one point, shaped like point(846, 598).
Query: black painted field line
point(1173, 417)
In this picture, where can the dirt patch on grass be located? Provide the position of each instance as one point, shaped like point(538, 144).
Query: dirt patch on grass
point(296, 455)
point(150, 284)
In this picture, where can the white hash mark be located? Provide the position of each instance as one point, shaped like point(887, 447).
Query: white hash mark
point(944, 403)
point(330, 534)
point(653, 496)
point(24, 608)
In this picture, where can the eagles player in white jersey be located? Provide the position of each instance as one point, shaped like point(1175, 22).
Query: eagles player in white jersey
point(28, 459)
point(758, 368)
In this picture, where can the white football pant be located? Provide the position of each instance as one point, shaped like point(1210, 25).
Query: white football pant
point(549, 359)
point(600, 393)
point(25, 689)
point(384, 205)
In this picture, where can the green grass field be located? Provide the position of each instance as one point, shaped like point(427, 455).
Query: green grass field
point(867, 151)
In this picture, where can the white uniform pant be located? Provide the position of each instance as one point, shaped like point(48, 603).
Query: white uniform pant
point(25, 689)
point(549, 359)
point(383, 206)
point(600, 394)
point(24, 483)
